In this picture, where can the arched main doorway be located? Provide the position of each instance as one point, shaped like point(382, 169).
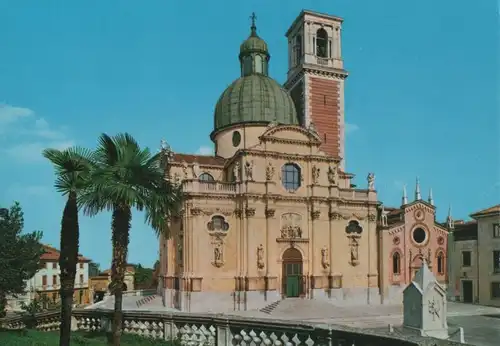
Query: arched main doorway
point(292, 273)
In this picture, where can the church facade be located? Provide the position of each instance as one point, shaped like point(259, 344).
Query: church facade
point(274, 214)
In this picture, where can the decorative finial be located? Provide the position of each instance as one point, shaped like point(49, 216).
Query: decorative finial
point(418, 195)
point(253, 18)
point(404, 200)
point(449, 219)
point(431, 199)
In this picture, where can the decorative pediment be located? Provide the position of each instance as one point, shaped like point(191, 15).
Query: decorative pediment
point(291, 134)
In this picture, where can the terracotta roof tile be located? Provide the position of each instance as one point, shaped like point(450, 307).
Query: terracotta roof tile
point(52, 254)
point(201, 159)
point(492, 210)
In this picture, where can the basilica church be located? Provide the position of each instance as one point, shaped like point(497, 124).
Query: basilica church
point(274, 213)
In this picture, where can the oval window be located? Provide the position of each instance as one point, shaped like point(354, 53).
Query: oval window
point(419, 235)
point(236, 138)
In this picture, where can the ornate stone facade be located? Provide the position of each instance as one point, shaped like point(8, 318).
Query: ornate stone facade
point(273, 214)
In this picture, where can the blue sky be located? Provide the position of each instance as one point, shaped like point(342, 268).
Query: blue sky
point(422, 97)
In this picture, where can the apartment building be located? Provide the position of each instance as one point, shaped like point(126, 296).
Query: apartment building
point(474, 275)
point(46, 282)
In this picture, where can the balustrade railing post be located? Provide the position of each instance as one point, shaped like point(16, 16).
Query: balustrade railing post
point(169, 332)
point(105, 323)
point(223, 334)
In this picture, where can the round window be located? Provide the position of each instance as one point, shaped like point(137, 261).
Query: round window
point(236, 138)
point(419, 235)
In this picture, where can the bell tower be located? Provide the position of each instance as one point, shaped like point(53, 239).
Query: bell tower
point(316, 77)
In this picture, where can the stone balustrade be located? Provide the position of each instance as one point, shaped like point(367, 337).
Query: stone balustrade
point(222, 330)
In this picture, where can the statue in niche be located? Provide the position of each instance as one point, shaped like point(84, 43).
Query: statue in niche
point(269, 171)
point(236, 171)
point(218, 254)
point(185, 170)
point(315, 174)
point(196, 170)
point(354, 251)
point(333, 175)
point(249, 170)
point(260, 257)
point(383, 216)
point(324, 258)
point(371, 181)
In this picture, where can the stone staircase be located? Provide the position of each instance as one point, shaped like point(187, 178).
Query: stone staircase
point(268, 309)
point(146, 300)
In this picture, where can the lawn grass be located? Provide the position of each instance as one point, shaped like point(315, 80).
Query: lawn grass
point(37, 338)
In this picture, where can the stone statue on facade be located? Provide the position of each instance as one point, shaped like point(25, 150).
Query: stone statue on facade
point(354, 251)
point(218, 255)
point(371, 181)
point(177, 179)
point(236, 171)
point(196, 170)
point(315, 174)
point(185, 170)
point(269, 171)
point(291, 232)
point(324, 258)
point(333, 175)
point(260, 257)
point(383, 217)
point(249, 170)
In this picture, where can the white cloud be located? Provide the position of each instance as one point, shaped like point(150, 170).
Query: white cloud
point(32, 152)
point(10, 114)
point(26, 140)
point(205, 150)
point(350, 128)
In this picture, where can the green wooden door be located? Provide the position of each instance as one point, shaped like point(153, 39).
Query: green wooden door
point(293, 272)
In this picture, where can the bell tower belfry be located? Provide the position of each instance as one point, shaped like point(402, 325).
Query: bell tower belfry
point(316, 77)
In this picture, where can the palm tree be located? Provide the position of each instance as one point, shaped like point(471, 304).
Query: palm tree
point(127, 177)
point(72, 168)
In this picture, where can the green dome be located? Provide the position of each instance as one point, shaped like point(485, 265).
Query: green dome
point(254, 99)
point(253, 44)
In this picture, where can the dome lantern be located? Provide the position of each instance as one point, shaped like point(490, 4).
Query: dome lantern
point(254, 55)
point(254, 98)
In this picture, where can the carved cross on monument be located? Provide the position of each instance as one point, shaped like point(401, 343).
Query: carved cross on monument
point(433, 309)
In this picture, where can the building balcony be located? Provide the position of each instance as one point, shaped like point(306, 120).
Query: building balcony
point(334, 63)
point(195, 186)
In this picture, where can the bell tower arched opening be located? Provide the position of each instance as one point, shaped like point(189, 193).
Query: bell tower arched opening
point(292, 273)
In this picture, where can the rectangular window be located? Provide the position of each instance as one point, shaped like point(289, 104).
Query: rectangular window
point(495, 290)
point(81, 265)
point(54, 280)
point(466, 258)
point(44, 280)
point(496, 261)
point(54, 265)
point(47, 265)
point(81, 278)
point(496, 230)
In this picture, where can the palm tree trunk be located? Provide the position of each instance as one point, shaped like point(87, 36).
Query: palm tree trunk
point(67, 263)
point(122, 217)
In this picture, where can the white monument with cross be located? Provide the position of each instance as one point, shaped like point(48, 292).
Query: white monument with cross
point(424, 305)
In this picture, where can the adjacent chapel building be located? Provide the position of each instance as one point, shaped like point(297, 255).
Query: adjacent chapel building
point(274, 213)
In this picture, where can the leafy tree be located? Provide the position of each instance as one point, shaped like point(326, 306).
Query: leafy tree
point(143, 277)
point(19, 254)
point(94, 269)
point(72, 168)
point(128, 177)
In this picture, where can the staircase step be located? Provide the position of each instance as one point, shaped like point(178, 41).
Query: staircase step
point(268, 309)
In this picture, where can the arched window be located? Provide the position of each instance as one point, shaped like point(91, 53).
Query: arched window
point(353, 227)
point(218, 223)
point(206, 177)
point(258, 64)
point(440, 263)
point(290, 176)
point(396, 263)
point(322, 43)
point(298, 49)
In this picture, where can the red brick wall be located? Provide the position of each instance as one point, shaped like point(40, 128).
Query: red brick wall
point(324, 110)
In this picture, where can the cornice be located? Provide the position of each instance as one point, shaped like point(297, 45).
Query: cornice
point(291, 156)
point(333, 73)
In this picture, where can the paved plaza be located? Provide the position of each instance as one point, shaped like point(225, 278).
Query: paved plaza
point(481, 323)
